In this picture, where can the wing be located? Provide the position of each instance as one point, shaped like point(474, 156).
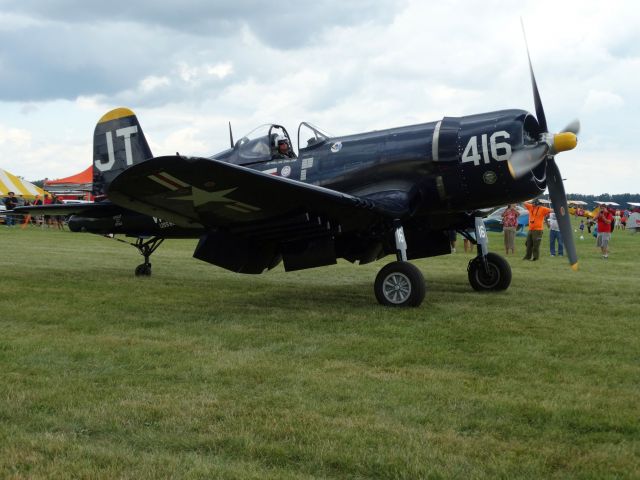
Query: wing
point(202, 191)
point(83, 209)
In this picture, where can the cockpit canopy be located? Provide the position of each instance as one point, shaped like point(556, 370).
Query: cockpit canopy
point(310, 136)
point(259, 145)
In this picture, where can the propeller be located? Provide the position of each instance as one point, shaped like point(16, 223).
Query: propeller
point(547, 146)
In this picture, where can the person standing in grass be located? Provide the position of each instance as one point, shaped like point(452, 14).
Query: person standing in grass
point(10, 203)
point(555, 236)
point(536, 225)
point(509, 225)
point(453, 236)
point(605, 219)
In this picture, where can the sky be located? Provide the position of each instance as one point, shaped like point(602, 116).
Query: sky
point(188, 68)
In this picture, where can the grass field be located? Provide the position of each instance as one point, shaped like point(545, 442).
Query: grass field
point(197, 372)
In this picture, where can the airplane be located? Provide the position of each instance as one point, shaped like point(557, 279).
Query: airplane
point(358, 197)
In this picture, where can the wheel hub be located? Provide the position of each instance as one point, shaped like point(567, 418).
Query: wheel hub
point(396, 287)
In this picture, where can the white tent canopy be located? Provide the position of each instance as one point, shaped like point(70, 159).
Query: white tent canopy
point(11, 183)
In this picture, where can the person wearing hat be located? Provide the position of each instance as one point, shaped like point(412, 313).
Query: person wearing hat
point(605, 219)
point(537, 213)
point(283, 149)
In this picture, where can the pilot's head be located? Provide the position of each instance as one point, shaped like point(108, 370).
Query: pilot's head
point(282, 144)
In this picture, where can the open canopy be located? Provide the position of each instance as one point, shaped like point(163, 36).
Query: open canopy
point(11, 183)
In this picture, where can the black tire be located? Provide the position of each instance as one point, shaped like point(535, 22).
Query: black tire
point(499, 277)
point(400, 284)
point(143, 270)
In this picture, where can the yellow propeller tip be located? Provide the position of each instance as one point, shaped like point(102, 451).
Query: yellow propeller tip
point(511, 171)
point(574, 267)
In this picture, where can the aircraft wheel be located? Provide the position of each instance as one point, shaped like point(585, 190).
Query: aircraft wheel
point(143, 270)
point(400, 284)
point(498, 277)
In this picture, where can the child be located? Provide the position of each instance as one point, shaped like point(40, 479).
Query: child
point(581, 229)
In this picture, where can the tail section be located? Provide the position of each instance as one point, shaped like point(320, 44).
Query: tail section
point(118, 143)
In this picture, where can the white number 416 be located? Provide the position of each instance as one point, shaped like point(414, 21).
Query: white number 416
point(500, 151)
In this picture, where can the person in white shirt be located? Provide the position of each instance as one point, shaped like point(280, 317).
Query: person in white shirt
point(555, 236)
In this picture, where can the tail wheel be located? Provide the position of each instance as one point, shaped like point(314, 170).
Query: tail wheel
point(496, 277)
point(400, 284)
point(143, 270)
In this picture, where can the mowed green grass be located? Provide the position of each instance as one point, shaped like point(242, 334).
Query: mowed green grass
point(197, 372)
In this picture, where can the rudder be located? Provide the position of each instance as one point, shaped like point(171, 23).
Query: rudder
point(118, 143)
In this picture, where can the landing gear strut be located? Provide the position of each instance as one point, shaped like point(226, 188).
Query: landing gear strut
point(400, 283)
point(146, 248)
point(488, 271)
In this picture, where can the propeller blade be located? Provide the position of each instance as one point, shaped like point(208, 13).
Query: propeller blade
point(573, 127)
point(523, 160)
point(559, 202)
point(542, 119)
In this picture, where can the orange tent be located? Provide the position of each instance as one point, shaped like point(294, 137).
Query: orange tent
point(73, 187)
point(86, 176)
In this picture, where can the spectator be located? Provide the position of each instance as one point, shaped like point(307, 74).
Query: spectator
point(38, 219)
point(537, 213)
point(509, 225)
point(58, 220)
point(468, 244)
point(605, 218)
point(10, 202)
point(555, 236)
point(452, 240)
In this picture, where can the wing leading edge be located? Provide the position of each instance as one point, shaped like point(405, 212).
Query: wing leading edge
point(215, 194)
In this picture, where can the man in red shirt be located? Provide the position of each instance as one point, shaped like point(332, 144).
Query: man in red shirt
point(605, 217)
point(536, 226)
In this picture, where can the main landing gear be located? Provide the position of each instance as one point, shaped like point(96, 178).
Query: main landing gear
point(146, 248)
point(488, 271)
point(400, 283)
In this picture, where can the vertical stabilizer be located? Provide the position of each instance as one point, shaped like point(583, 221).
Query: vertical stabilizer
point(118, 143)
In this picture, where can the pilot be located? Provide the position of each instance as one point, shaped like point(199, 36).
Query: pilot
point(283, 150)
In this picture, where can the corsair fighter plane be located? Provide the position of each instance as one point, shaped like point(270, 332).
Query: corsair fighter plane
point(358, 197)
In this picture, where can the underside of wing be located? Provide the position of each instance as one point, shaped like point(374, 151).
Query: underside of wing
point(84, 209)
point(253, 220)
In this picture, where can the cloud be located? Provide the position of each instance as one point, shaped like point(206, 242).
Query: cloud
point(14, 137)
point(602, 101)
point(348, 67)
point(67, 48)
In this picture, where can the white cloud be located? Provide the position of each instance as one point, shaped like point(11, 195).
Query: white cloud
point(597, 101)
point(399, 63)
point(220, 70)
point(14, 137)
point(153, 82)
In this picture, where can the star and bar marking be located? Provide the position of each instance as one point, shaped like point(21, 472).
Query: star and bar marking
point(201, 197)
